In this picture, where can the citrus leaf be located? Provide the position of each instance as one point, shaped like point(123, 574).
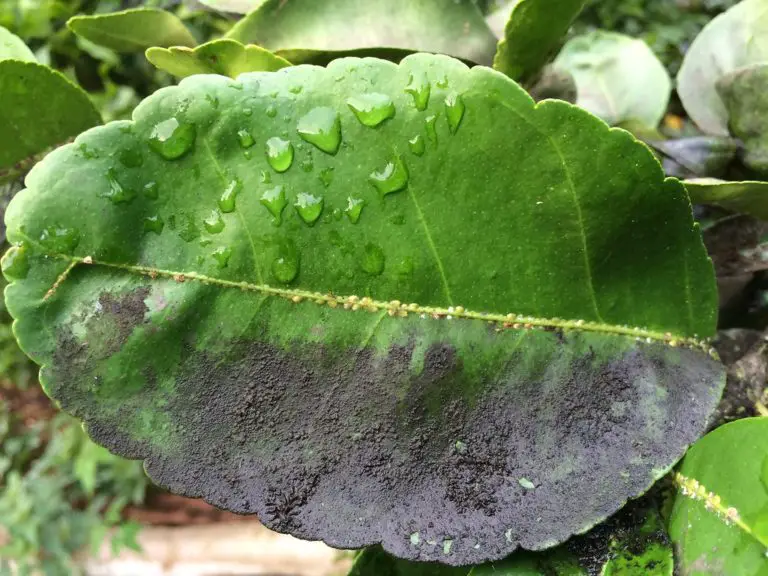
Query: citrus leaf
point(39, 108)
point(236, 6)
point(735, 39)
point(719, 522)
point(618, 78)
point(13, 48)
point(533, 32)
point(261, 288)
point(224, 56)
point(748, 197)
point(133, 30)
point(744, 95)
point(340, 26)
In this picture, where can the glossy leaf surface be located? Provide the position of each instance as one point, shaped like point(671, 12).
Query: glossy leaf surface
point(748, 197)
point(735, 39)
point(618, 78)
point(719, 522)
point(13, 48)
point(534, 30)
point(224, 56)
point(237, 6)
point(133, 30)
point(300, 29)
point(39, 108)
point(262, 287)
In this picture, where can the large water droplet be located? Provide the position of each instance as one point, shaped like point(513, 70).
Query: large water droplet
point(117, 193)
point(275, 202)
point(227, 200)
point(454, 110)
point(131, 157)
point(391, 178)
point(419, 89)
point(285, 266)
point(443, 82)
point(15, 262)
point(372, 109)
point(154, 224)
point(417, 146)
point(321, 127)
point(172, 139)
point(151, 190)
point(245, 138)
point(309, 207)
point(214, 224)
point(279, 154)
point(372, 260)
point(222, 256)
point(60, 239)
point(430, 125)
point(354, 209)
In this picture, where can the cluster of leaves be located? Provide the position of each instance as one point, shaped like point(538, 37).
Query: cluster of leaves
point(172, 293)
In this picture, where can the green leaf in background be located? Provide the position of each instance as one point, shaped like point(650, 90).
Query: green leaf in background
point(133, 30)
point(534, 31)
point(261, 287)
point(497, 20)
point(39, 108)
point(748, 197)
point(745, 94)
point(618, 78)
point(299, 29)
point(733, 40)
point(224, 56)
point(13, 48)
point(719, 522)
point(237, 6)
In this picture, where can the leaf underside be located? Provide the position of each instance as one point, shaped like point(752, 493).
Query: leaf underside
point(246, 330)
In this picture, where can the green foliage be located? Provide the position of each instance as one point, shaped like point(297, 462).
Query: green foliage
point(133, 30)
point(733, 40)
point(534, 30)
point(719, 522)
point(301, 29)
point(155, 235)
point(47, 472)
point(745, 197)
point(617, 78)
point(224, 56)
point(12, 47)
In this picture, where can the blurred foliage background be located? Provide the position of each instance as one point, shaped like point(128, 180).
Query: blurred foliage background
point(59, 492)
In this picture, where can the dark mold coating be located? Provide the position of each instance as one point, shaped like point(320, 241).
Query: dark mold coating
point(356, 449)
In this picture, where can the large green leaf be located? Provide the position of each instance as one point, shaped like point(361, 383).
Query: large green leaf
point(617, 77)
point(748, 197)
point(133, 30)
point(735, 39)
point(719, 522)
point(237, 6)
point(426, 316)
point(13, 48)
point(39, 108)
point(224, 56)
point(745, 98)
point(300, 29)
point(534, 30)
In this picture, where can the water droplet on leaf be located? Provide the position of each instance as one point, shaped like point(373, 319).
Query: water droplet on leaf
point(279, 154)
point(391, 178)
point(245, 138)
point(154, 224)
point(372, 109)
point(275, 202)
point(188, 230)
point(151, 190)
point(419, 89)
point(417, 146)
point(271, 111)
point(131, 157)
point(443, 82)
point(321, 127)
point(309, 207)
point(117, 193)
point(266, 177)
point(214, 224)
point(454, 111)
point(227, 200)
point(430, 124)
point(372, 261)
point(172, 139)
point(354, 209)
point(222, 256)
point(326, 176)
point(60, 239)
point(285, 266)
point(15, 262)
